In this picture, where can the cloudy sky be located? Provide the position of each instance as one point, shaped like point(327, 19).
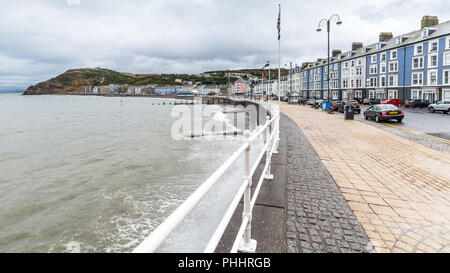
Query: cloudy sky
point(43, 38)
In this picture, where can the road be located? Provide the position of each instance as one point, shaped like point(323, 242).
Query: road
point(435, 124)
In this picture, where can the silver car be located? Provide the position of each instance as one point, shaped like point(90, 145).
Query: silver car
point(443, 106)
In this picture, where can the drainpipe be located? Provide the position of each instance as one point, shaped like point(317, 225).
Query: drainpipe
point(404, 73)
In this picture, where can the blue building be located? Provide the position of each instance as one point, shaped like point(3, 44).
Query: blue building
point(415, 65)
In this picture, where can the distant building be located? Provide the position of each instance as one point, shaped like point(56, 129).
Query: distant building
point(240, 87)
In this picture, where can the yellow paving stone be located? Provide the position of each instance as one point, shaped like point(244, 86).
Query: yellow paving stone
point(388, 237)
point(382, 250)
point(396, 203)
point(408, 213)
point(359, 207)
point(353, 197)
point(374, 200)
point(383, 210)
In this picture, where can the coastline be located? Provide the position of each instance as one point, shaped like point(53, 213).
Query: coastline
point(120, 95)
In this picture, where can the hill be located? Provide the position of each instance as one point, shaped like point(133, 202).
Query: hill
point(72, 81)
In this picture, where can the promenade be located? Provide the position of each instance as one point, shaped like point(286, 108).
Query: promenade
point(397, 190)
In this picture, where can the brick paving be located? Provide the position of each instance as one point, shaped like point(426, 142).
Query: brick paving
point(398, 190)
point(318, 217)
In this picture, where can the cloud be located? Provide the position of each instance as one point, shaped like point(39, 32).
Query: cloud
point(73, 2)
point(43, 38)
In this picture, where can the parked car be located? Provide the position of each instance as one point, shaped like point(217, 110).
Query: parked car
point(419, 103)
point(353, 103)
point(274, 97)
point(285, 99)
point(374, 101)
point(359, 100)
point(310, 102)
point(335, 105)
point(366, 101)
point(293, 100)
point(302, 100)
point(384, 112)
point(395, 102)
point(318, 103)
point(443, 106)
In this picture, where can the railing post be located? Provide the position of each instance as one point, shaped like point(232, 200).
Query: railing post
point(277, 134)
point(247, 245)
point(268, 175)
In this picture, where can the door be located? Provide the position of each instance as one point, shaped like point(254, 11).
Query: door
point(380, 95)
point(392, 94)
point(429, 96)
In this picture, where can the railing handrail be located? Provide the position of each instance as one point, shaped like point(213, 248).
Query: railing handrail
point(156, 238)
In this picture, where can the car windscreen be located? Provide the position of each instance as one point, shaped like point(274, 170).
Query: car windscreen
point(388, 107)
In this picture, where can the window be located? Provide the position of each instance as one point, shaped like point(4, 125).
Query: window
point(373, 69)
point(447, 58)
point(359, 62)
point(417, 78)
point(373, 82)
point(382, 81)
point(417, 62)
point(447, 43)
point(446, 77)
point(346, 64)
point(433, 60)
point(374, 59)
point(383, 68)
point(432, 77)
point(433, 46)
point(394, 55)
point(416, 94)
point(345, 84)
point(371, 94)
point(418, 49)
point(359, 71)
point(393, 80)
point(383, 57)
point(353, 63)
point(393, 66)
point(358, 83)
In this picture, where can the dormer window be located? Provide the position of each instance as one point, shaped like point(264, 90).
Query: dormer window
point(427, 32)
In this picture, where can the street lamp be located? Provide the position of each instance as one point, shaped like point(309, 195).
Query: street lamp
point(319, 29)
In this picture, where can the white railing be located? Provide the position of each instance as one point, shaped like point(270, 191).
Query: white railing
point(243, 241)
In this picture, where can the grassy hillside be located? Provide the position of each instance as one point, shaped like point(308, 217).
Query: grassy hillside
point(72, 81)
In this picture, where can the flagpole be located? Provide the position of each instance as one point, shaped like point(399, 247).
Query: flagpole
point(279, 57)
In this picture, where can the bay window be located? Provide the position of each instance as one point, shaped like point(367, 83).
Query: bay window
point(433, 60)
point(432, 77)
point(417, 62)
point(417, 78)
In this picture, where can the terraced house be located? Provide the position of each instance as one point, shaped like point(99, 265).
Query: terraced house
point(415, 65)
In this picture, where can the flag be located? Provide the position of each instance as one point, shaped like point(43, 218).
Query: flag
point(264, 77)
point(279, 22)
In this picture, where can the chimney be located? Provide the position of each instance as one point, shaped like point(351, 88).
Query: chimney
point(336, 52)
point(429, 21)
point(319, 60)
point(385, 36)
point(356, 46)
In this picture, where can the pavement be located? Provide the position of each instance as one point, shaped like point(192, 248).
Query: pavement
point(398, 189)
point(302, 208)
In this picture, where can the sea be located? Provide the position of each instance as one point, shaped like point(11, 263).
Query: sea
point(94, 174)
